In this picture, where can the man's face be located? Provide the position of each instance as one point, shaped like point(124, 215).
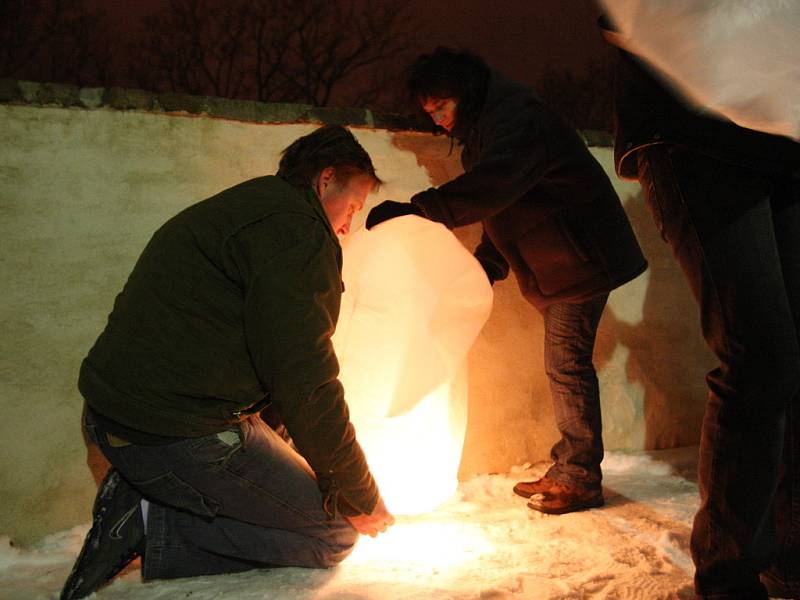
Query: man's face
point(341, 202)
point(442, 111)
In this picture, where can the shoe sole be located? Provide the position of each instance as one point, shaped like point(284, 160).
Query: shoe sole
point(567, 509)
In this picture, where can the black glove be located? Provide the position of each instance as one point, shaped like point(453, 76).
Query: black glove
point(389, 209)
point(490, 274)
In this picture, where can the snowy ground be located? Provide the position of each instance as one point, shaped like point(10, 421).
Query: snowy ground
point(484, 544)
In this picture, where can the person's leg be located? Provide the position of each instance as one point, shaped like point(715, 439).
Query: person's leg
point(191, 545)
point(573, 481)
point(783, 578)
point(116, 536)
point(569, 336)
point(718, 220)
point(231, 501)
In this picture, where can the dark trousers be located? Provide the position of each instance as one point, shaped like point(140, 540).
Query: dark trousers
point(569, 335)
point(227, 502)
point(736, 235)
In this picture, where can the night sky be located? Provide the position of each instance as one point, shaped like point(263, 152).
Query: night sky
point(523, 38)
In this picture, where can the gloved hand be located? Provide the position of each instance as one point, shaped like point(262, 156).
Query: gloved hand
point(389, 209)
point(490, 274)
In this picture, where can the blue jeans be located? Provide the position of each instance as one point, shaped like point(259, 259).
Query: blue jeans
point(228, 502)
point(736, 235)
point(569, 335)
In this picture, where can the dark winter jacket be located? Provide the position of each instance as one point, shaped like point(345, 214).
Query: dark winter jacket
point(232, 305)
point(547, 208)
point(647, 113)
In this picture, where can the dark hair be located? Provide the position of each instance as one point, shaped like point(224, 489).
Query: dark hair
point(329, 146)
point(448, 73)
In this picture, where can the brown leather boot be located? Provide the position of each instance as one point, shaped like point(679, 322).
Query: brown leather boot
point(526, 489)
point(562, 498)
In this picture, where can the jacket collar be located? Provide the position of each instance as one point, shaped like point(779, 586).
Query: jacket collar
point(316, 204)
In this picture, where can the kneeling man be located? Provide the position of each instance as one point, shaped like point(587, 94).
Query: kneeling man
point(229, 311)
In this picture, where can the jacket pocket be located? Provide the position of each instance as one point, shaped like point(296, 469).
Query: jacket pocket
point(554, 254)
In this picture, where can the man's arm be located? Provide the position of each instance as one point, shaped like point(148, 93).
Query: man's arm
point(291, 305)
point(513, 157)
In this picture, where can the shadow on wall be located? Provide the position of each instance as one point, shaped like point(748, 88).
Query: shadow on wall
point(441, 167)
point(667, 358)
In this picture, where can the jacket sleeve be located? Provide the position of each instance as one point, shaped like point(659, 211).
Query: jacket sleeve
point(291, 305)
point(511, 160)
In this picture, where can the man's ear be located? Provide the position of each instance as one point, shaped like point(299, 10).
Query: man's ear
point(324, 180)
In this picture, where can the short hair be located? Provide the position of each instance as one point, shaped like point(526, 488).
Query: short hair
point(448, 73)
point(329, 146)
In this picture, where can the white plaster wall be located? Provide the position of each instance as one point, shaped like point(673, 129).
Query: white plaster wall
point(81, 191)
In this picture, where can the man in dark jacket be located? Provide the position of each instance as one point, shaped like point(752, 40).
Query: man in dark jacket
point(727, 200)
point(548, 212)
point(230, 309)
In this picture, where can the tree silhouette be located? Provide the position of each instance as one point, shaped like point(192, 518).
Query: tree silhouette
point(334, 41)
point(585, 101)
point(194, 47)
point(275, 50)
point(310, 51)
point(54, 40)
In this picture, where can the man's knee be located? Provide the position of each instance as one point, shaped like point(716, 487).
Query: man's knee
point(333, 552)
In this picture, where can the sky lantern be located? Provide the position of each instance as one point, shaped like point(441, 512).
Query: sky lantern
point(415, 299)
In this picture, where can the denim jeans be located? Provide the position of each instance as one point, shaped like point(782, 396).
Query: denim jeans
point(228, 502)
point(569, 335)
point(736, 235)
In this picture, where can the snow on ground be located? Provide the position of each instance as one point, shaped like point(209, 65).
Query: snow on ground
point(483, 544)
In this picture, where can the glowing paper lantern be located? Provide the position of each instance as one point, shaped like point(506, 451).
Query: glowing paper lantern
point(414, 301)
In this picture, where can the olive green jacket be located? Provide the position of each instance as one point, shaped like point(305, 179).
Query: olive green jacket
point(232, 305)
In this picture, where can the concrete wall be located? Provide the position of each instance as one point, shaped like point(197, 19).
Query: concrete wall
point(83, 184)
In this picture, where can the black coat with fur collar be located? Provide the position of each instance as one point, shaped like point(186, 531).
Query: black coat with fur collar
point(547, 208)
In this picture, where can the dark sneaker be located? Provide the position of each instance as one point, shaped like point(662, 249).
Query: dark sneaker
point(562, 498)
point(115, 539)
point(526, 489)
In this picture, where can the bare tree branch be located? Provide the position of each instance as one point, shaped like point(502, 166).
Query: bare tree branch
point(584, 100)
point(276, 50)
point(54, 40)
point(313, 51)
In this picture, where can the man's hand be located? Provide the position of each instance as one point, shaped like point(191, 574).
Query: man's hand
point(389, 209)
point(374, 523)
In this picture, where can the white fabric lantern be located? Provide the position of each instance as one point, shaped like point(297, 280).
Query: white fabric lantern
point(740, 59)
point(414, 301)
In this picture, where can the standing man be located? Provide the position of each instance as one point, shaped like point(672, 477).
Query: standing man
point(230, 309)
point(727, 200)
point(548, 212)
